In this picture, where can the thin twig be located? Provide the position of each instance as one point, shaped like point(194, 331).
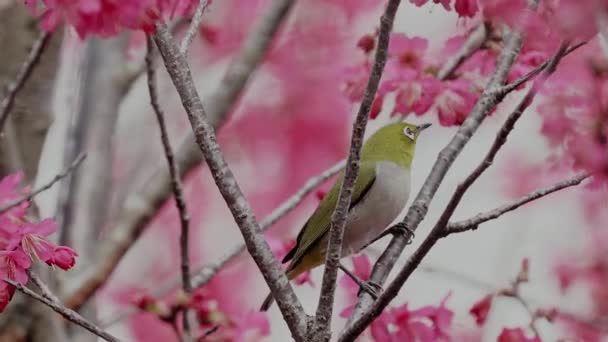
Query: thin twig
point(537, 70)
point(204, 274)
point(44, 289)
point(417, 211)
point(499, 141)
point(597, 323)
point(257, 246)
point(68, 314)
point(474, 42)
point(24, 73)
point(197, 19)
point(46, 186)
point(474, 222)
point(141, 205)
point(176, 183)
point(439, 229)
point(321, 327)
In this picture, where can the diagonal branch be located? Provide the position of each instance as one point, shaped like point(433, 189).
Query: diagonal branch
point(258, 248)
point(176, 183)
point(438, 230)
point(24, 73)
point(68, 314)
point(46, 186)
point(204, 274)
point(321, 327)
point(197, 19)
point(142, 204)
point(446, 157)
point(474, 222)
point(474, 42)
point(499, 141)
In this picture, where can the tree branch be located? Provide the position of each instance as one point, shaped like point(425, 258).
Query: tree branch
point(46, 186)
point(473, 222)
point(204, 274)
point(474, 42)
point(176, 183)
point(68, 314)
point(141, 205)
point(499, 141)
point(439, 229)
point(321, 327)
point(417, 211)
point(24, 73)
point(197, 19)
point(258, 248)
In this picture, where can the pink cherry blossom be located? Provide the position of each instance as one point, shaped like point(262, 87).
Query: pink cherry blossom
point(106, 17)
point(6, 294)
point(481, 309)
point(13, 265)
point(444, 3)
point(466, 8)
point(63, 257)
point(34, 242)
point(406, 51)
point(455, 102)
point(515, 335)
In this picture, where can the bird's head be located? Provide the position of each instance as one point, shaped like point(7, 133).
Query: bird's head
point(394, 142)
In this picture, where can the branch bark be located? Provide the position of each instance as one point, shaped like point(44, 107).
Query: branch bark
point(197, 19)
point(176, 183)
point(204, 274)
point(142, 204)
point(489, 98)
point(21, 143)
point(474, 222)
point(24, 73)
point(68, 314)
point(45, 187)
point(321, 328)
point(439, 230)
point(258, 248)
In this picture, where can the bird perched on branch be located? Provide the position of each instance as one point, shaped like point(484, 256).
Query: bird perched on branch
point(380, 193)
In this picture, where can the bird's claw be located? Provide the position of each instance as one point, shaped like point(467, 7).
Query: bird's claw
point(402, 229)
point(374, 289)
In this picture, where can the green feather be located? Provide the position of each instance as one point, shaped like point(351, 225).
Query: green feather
point(318, 224)
point(389, 143)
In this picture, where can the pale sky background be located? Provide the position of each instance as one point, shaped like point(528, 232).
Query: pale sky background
point(491, 254)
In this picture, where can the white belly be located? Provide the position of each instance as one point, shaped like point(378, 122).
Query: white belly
point(379, 208)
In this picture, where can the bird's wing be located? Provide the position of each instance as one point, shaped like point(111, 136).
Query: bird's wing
point(322, 216)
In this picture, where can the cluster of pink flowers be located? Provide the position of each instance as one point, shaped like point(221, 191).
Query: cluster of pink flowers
point(246, 326)
point(107, 17)
point(426, 324)
point(22, 241)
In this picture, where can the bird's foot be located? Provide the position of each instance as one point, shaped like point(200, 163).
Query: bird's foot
point(398, 229)
point(371, 287)
point(401, 229)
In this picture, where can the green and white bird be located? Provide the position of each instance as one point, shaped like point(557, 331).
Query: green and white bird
point(379, 195)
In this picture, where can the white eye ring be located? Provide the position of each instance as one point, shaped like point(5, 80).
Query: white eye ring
point(408, 132)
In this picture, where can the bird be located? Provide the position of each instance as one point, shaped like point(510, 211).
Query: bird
point(380, 193)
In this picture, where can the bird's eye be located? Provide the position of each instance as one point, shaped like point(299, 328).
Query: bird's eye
point(409, 133)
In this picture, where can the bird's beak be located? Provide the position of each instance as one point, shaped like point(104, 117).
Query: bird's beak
point(422, 127)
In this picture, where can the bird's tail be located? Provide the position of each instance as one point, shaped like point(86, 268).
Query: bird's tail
point(267, 302)
point(292, 271)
